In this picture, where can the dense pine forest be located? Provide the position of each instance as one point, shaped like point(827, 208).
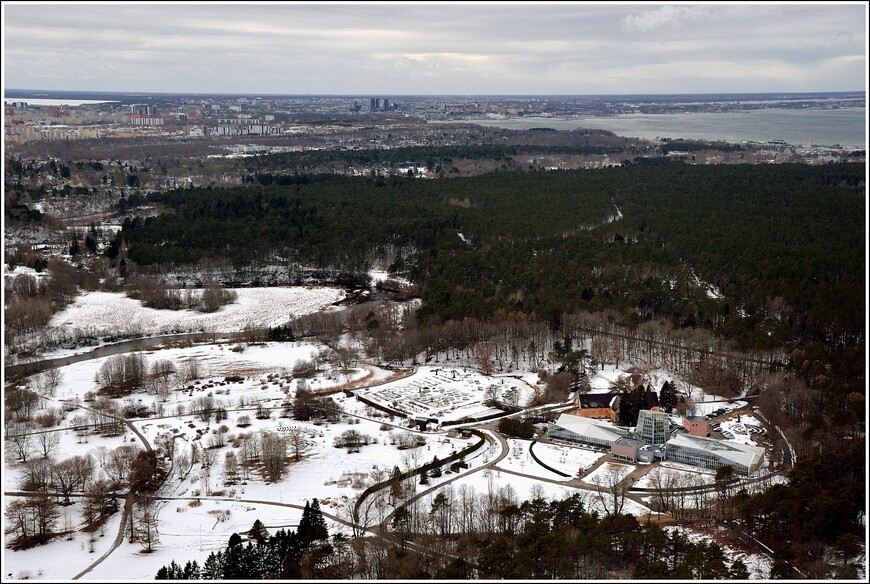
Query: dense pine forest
point(783, 245)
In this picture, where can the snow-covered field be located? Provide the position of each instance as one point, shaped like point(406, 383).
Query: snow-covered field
point(259, 307)
point(602, 475)
point(62, 558)
point(520, 461)
point(668, 474)
point(568, 459)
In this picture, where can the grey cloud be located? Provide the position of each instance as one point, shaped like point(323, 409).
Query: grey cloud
point(669, 17)
point(440, 48)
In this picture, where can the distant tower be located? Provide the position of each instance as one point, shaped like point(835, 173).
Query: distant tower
point(375, 104)
point(386, 104)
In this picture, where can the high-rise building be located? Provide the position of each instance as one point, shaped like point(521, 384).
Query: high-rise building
point(375, 104)
point(386, 104)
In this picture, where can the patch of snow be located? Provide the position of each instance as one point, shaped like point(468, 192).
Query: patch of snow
point(259, 307)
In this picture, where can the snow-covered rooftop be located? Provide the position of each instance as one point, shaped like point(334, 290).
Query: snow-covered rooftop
point(742, 454)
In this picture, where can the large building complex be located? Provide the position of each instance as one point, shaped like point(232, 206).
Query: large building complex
point(652, 439)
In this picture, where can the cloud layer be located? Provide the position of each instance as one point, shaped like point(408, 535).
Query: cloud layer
point(436, 48)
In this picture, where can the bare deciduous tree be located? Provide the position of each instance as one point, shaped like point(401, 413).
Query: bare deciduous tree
point(297, 442)
point(190, 370)
point(47, 442)
point(611, 490)
point(273, 453)
point(20, 443)
point(146, 524)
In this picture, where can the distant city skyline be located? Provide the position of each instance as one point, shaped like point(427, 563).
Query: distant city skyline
point(436, 49)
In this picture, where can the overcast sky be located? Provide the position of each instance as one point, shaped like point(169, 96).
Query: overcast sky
point(436, 48)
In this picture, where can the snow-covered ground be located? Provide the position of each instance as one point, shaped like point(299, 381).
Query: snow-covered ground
point(524, 487)
point(259, 307)
point(669, 474)
point(742, 428)
point(520, 461)
point(602, 474)
point(568, 459)
point(62, 558)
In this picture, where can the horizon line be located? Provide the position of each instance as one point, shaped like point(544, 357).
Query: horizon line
point(351, 95)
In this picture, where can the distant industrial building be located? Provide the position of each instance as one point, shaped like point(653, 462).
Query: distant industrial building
point(147, 120)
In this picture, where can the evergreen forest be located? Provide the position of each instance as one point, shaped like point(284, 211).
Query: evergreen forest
point(765, 256)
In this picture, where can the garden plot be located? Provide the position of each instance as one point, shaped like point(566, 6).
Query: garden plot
point(567, 459)
point(446, 393)
point(743, 429)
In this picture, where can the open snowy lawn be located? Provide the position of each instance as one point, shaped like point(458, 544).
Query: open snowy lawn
point(260, 307)
point(192, 533)
point(519, 460)
point(325, 472)
point(601, 475)
point(667, 475)
point(484, 480)
point(568, 459)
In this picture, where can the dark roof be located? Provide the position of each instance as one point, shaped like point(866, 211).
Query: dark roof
point(596, 400)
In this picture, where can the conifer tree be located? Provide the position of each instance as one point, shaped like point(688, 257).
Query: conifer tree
point(258, 532)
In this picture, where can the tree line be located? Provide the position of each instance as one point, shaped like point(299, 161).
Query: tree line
point(531, 539)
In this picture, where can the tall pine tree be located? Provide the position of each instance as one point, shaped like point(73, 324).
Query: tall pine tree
point(312, 526)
